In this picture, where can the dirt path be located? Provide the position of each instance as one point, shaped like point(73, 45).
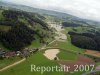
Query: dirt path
point(46, 45)
point(9, 66)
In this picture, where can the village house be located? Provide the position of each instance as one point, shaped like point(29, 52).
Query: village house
point(24, 53)
point(10, 54)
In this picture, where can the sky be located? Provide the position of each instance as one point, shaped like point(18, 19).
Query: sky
point(87, 9)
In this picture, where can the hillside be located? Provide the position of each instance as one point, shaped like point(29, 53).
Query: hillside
point(19, 28)
point(64, 16)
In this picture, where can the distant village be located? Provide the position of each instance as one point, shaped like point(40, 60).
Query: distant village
point(23, 53)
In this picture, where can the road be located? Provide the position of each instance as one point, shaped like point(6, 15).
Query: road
point(91, 72)
point(46, 45)
point(9, 66)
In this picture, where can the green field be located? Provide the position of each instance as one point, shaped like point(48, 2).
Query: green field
point(67, 46)
point(65, 55)
point(37, 59)
point(35, 44)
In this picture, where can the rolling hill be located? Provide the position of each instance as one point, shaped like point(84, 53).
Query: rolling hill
point(64, 16)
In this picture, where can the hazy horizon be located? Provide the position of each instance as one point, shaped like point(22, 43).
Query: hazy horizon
point(81, 8)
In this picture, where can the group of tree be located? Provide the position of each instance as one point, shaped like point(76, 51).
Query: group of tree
point(17, 38)
point(86, 40)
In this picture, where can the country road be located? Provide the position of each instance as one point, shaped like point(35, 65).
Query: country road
point(60, 36)
point(43, 47)
point(91, 72)
point(9, 66)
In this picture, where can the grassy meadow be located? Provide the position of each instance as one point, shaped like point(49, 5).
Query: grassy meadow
point(24, 68)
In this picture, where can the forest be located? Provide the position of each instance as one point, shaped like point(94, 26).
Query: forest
point(70, 24)
point(25, 27)
point(86, 40)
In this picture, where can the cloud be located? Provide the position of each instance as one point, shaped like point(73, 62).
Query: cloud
point(88, 9)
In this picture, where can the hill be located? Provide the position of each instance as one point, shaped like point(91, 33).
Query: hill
point(20, 28)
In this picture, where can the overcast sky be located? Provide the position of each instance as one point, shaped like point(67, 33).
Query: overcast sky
point(89, 9)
